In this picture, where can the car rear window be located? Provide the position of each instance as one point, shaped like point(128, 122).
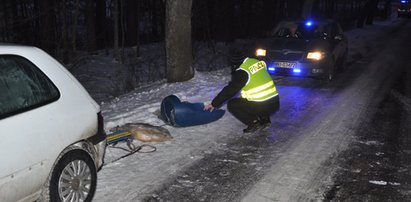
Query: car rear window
point(23, 86)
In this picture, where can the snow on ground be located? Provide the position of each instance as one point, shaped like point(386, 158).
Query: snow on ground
point(141, 104)
point(188, 144)
point(289, 180)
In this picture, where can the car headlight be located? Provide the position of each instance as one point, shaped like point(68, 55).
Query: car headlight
point(260, 52)
point(316, 55)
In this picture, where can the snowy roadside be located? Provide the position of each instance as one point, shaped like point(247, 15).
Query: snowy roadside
point(304, 172)
point(141, 173)
point(141, 104)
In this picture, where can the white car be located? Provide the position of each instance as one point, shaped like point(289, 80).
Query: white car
point(51, 130)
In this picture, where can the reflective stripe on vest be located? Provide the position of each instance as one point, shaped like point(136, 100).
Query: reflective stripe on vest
point(259, 92)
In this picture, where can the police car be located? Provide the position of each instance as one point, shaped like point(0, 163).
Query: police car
point(312, 48)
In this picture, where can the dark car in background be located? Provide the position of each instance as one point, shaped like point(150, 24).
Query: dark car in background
point(404, 9)
point(311, 48)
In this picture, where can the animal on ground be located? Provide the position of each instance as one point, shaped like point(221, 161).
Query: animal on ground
point(148, 133)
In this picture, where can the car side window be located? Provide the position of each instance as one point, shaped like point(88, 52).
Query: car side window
point(23, 86)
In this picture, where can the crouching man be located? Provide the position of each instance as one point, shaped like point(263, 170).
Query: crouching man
point(259, 96)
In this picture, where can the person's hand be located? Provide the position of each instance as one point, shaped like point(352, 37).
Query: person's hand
point(208, 107)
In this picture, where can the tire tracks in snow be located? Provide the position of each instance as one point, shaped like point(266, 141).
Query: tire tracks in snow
point(294, 160)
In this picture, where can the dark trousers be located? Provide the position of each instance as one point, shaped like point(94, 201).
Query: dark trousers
point(249, 111)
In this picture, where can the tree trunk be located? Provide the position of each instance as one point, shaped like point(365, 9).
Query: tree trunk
point(46, 25)
point(367, 13)
point(307, 8)
point(178, 40)
point(101, 24)
point(387, 9)
point(6, 17)
point(74, 28)
point(371, 12)
point(295, 8)
point(224, 19)
point(16, 21)
point(154, 18)
point(116, 31)
point(122, 29)
point(91, 25)
point(132, 11)
point(64, 33)
point(269, 15)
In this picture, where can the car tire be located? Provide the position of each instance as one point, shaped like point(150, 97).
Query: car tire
point(74, 177)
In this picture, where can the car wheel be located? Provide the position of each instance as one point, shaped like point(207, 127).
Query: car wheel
point(74, 178)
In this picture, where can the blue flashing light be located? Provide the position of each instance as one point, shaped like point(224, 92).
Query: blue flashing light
point(403, 2)
point(296, 70)
point(271, 69)
point(309, 23)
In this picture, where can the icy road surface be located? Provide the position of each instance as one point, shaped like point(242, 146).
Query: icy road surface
point(292, 161)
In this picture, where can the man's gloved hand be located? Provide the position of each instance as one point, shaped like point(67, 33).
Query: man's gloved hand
point(208, 107)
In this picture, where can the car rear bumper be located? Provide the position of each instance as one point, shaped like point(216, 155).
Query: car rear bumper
point(99, 152)
point(99, 141)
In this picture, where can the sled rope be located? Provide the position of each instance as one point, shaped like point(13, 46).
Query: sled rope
point(132, 148)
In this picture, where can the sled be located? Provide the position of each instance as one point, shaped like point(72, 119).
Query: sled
point(118, 137)
point(183, 114)
point(125, 136)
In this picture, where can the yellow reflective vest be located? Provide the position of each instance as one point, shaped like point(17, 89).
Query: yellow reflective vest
point(260, 86)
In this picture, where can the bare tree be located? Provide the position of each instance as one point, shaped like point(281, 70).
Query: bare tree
point(307, 8)
point(122, 29)
point(91, 25)
point(64, 31)
point(178, 40)
point(131, 14)
point(74, 28)
point(101, 33)
point(6, 28)
point(46, 25)
point(367, 13)
point(116, 14)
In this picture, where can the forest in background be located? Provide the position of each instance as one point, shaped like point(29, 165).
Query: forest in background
point(144, 41)
point(65, 26)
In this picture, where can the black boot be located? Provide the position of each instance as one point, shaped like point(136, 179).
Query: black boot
point(253, 127)
point(265, 121)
